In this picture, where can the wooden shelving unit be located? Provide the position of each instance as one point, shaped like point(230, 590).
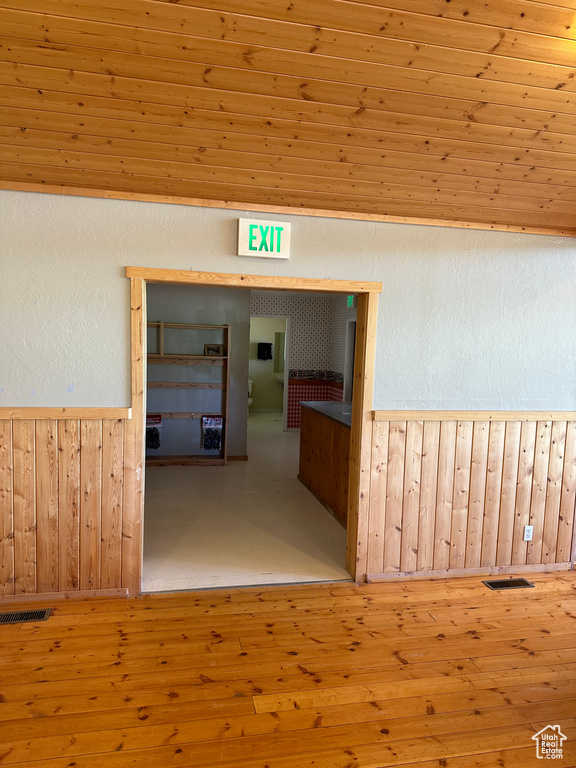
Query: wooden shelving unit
point(186, 360)
point(182, 358)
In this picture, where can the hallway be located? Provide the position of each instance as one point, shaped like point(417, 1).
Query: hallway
point(249, 523)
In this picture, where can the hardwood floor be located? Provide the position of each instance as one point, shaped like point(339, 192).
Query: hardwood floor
point(421, 673)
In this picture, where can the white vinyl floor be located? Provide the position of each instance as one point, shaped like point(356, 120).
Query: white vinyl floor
point(251, 522)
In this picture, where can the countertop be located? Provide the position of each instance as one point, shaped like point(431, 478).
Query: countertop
point(333, 409)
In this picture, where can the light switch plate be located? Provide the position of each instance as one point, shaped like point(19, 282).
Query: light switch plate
point(528, 531)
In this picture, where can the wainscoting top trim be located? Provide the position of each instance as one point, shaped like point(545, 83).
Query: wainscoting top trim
point(474, 415)
point(65, 413)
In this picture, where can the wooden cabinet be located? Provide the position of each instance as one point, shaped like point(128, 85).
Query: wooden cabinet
point(324, 460)
point(207, 348)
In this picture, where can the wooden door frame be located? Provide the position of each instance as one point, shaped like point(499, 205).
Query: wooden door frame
point(361, 430)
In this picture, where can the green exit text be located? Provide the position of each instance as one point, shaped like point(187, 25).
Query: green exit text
point(262, 238)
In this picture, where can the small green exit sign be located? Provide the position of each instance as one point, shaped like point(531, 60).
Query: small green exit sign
point(264, 239)
point(351, 300)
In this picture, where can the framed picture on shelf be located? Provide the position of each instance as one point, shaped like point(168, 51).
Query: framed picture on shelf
point(214, 350)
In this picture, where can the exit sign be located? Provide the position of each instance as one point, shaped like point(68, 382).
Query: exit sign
point(265, 239)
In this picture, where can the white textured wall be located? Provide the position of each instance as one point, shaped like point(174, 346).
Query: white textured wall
point(468, 319)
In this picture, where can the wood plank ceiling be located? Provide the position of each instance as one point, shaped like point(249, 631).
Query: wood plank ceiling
point(447, 110)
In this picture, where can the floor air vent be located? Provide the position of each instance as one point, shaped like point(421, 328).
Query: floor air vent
point(508, 583)
point(19, 617)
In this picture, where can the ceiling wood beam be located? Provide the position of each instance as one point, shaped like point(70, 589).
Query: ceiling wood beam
point(172, 199)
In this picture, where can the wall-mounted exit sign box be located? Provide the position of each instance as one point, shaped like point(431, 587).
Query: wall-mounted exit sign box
point(265, 239)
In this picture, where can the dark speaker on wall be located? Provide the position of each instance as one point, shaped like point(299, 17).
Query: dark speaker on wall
point(264, 351)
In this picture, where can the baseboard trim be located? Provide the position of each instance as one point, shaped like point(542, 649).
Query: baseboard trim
point(184, 461)
point(374, 578)
point(83, 594)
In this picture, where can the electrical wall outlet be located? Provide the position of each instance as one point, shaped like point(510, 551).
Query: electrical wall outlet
point(528, 531)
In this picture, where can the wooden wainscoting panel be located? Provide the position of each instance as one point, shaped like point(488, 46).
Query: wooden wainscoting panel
point(428, 488)
point(566, 519)
point(446, 460)
point(6, 510)
point(69, 503)
point(477, 500)
point(377, 521)
point(47, 505)
point(112, 482)
point(61, 505)
point(539, 489)
point(411, 509)
point(394, 496)
point(90, 503)
point(454, 496)
point(493, 492)
point(461, 495)
point(23, 440)
point(508, 497)
point(523, 490)
point(553, 491)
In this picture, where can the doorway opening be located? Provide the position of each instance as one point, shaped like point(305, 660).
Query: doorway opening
point(267, 366)
point(236, 471)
